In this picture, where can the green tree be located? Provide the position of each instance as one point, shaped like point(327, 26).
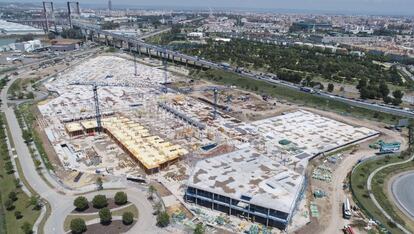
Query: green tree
point(163, 219)
point(105, 216)
point(199, 229)
point(81, 203)
point(35, 202)
point(383, 89)
point(127, 218)
point(398, 94)
point(27, 136)
point(9, 205)
point(9, 167)
point(78, 226)
point(121, 198)
point(18, 214)
point(330, 87)
point(151, 190)
point(99, 201)
point(13, 196)
point(27, 228)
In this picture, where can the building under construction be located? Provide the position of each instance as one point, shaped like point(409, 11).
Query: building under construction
point(246, 184)
point(151, 152)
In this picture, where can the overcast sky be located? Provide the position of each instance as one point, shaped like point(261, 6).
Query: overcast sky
point(346, 6)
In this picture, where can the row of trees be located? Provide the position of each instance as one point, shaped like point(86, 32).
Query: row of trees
point(78, 225)
point(100, 202)
point(81, 203)
point(379, 90)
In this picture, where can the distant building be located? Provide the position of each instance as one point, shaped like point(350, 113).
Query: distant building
point(9, 28)
point(220, 39)
point(65, 45)
point(28, 46)
point(109, 5)
point(195, 34)
point(303, 25)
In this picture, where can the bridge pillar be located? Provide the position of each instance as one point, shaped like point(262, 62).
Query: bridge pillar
point(99, 37)
point(186, 63)
point(106, 40)
point(149, 52)
point(139, 50)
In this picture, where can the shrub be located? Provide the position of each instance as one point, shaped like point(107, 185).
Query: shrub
point(13, 196)
point(27, 228)
point(127, 218)
point(77, 226)
point(121, 198)
point(199, 229)
point(163, 219)
point(105, 216)
point(18, 214)
point(8, 204)
point(99, 201)
point(81, 203)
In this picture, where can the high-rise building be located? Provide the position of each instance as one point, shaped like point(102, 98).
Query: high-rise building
point(110, 5)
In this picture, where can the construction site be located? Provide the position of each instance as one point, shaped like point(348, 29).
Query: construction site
point(218, 151)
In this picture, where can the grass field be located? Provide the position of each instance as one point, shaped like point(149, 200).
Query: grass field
point(359, 179)
point(379, 188)
point(298, 97)
point(9, 223)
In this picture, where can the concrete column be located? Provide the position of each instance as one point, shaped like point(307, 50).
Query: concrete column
point(212, 203)
point(106, 40)
point(139, 50)
point(196, 190)
point(267, 218)
point(230, 205)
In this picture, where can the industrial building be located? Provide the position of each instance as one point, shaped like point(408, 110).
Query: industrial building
point(9, 28)
point(247, 184)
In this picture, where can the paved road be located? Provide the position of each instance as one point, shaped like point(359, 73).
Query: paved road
point(401, 190)
point(62, 204)
point(371, 195)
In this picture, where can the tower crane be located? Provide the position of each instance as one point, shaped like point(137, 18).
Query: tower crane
point(164, 89)
point(95, 86)
point(215, 90)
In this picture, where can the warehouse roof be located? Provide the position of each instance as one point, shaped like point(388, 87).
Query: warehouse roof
point(248, 174)
point(14, 28)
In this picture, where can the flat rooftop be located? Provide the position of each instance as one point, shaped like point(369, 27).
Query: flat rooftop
point(73, 127)
point(15, 28)
point(248, 173)
point(151, 151)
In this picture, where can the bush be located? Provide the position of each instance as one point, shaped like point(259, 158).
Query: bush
point(81, 203)
point(163, 219)
point(121, 198)
point(18, 214)
point(13, 196)
point(77, 226)
point(105, 216)
point(127, 218)
point(27, 228)
point(199, 229)
point(8, 204)
point(99, 201)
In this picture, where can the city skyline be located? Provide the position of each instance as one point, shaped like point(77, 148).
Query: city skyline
point(387, 7)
